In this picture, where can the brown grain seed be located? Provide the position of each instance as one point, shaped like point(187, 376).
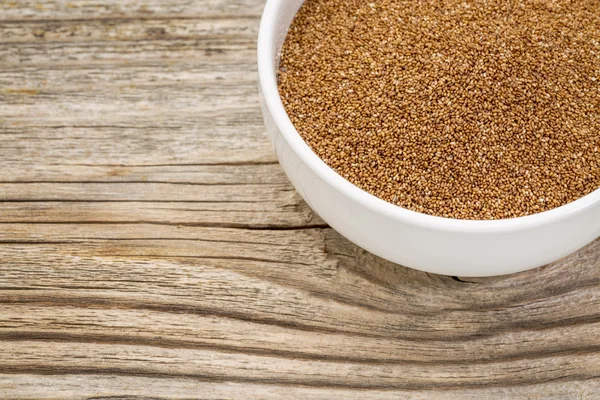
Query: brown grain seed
point(467, 109)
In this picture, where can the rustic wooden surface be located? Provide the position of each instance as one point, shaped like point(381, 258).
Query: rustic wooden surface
point(151, 247)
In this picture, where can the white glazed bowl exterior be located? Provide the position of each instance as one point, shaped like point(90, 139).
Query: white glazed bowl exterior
point(428, 243)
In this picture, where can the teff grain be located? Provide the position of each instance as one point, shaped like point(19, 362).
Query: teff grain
point(469, 109)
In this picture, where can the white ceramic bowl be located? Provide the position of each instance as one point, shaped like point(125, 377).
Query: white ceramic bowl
point(433, 244)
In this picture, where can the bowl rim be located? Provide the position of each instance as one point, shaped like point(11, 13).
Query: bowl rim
point(272, 100)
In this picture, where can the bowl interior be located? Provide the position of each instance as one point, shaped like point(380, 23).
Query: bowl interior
point(277, 18)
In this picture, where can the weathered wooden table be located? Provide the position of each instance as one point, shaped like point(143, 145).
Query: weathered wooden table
point(151, 246)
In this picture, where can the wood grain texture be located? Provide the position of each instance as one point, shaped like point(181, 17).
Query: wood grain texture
point(151, 246)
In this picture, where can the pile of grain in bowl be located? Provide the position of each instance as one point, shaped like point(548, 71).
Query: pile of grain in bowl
point(468, 109)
